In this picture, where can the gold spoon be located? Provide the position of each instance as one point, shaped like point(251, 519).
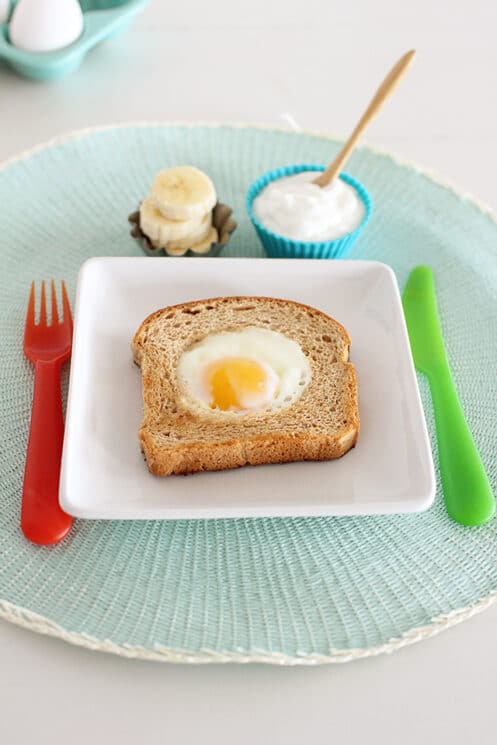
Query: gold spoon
point(384, 91)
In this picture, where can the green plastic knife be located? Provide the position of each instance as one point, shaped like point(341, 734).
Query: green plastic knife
point(468, 495)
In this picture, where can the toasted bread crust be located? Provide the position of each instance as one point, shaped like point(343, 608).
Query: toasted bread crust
point(288, 438)
point(255, 450)
point(135, 344)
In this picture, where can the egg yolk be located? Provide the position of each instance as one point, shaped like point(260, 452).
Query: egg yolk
point(237, 383)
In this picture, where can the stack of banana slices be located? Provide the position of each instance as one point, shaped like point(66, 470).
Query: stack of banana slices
point(177, 214)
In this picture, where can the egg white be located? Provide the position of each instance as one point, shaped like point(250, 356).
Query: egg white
point(272, 350)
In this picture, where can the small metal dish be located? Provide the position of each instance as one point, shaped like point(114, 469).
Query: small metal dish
point(221, 220)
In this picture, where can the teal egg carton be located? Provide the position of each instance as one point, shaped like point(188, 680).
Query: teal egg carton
point(102, 20)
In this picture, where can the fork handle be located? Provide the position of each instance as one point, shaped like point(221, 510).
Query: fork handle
point(42, 519)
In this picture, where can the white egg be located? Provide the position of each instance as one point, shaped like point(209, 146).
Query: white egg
point(45, 25)
point(4, 10)
point(254, 369)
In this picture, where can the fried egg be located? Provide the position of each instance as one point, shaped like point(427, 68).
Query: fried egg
point(253, 369)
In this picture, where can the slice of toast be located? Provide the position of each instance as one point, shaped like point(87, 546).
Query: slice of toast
point(321, 425)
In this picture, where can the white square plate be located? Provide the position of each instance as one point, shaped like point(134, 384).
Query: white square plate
point(103, 472)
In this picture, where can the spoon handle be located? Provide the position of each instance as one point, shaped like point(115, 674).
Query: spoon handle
point(384, 91)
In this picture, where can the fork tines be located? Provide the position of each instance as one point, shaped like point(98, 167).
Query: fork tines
point(66, 308)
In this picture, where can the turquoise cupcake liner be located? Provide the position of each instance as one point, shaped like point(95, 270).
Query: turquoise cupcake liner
point(280, 247)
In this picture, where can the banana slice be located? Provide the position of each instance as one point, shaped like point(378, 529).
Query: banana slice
point(175, 251)
point(183, 193)
point(202, 247)
point(160, 229)
point(155, 244)
point(197, 235)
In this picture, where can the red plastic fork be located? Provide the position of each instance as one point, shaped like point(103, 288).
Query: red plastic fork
point(47, 347)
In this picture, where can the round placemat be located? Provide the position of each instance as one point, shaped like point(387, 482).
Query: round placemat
point(285, 591)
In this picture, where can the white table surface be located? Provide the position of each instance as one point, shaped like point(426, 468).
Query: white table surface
point(224, 61)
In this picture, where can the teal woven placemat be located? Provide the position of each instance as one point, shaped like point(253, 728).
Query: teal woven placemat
point(277, 590)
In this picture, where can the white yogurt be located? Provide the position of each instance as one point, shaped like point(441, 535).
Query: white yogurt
point(302, 211)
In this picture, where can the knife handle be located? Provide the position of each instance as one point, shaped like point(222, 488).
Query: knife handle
point(468, 494)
